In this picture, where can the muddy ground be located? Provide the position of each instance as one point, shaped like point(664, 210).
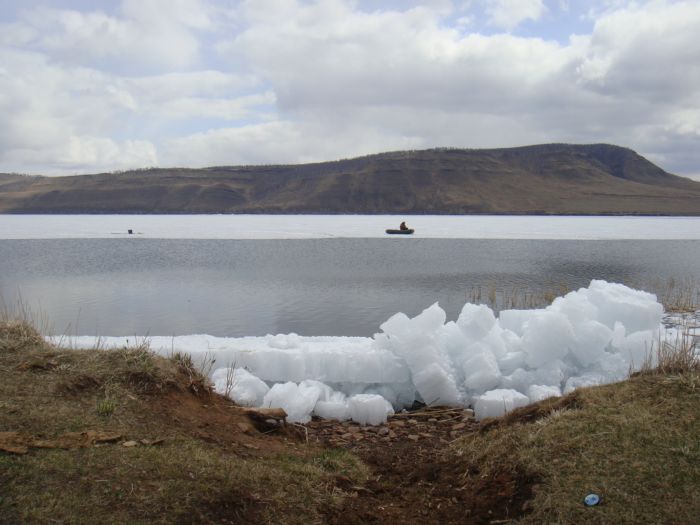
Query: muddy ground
point(414, 479)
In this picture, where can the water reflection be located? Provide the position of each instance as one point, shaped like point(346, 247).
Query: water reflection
point(312, 287)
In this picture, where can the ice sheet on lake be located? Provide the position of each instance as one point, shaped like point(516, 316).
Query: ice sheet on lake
point(345, 226)
point(590, 336)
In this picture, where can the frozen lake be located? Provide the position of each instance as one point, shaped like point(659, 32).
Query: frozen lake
point(231, 276)
point(344, 226)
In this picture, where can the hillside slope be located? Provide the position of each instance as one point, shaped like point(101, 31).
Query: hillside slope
point(545, 179)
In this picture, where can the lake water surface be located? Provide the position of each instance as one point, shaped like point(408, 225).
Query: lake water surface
point(106, 284)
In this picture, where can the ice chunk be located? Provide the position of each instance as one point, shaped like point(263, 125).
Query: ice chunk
point(586, 380)
point(514, 320)
point(547, 336)
point(283, 341)
point(436, 386)
point(331, 404)
point(576, 306)
point(635, 309)
point(511, 361)
point(369, 409)
point(495, 403)
point(336, 410)
point(540, 392)
point(416, 341)
point(324, 391)
point(240, 385)
point(452, 340)
point(592, 337)
point(613, 366)
point(476, 321)
point(551, 373)
point(481, 372)
point(639, 348)
point(619, 333)
point(518, 380)
point(513, 341)
point(430, 319)
point(496, 342)
point(297, 401)
point(396, 324)
point(327, 359)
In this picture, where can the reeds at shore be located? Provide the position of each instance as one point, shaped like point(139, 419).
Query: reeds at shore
point(676, 295)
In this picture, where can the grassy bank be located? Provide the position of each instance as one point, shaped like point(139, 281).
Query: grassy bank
point(129, 437)
point(635, 443)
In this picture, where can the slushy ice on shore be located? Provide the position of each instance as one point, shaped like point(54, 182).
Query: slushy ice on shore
point(492, 363)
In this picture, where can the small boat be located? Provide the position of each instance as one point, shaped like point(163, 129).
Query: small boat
point(400, 232)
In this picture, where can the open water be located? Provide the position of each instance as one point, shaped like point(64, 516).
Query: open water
point(347, 286)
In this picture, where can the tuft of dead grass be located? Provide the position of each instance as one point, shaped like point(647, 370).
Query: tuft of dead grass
point(198, 377)
point(18, 336)
point(680, 355)
point(679, 295)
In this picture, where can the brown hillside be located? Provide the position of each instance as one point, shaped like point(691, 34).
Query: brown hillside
point(546, 179)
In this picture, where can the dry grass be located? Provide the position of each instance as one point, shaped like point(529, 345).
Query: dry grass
point(677, 356)
point(183, 482)
point(676, 295)
point(504, 298)
point(210, 467)
point(635, 443)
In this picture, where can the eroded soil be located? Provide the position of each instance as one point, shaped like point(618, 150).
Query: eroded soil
point(414, 477)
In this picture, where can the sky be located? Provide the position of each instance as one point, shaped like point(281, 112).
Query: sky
point(93, 85)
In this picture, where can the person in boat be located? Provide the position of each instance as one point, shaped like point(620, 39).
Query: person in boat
point(403, 226)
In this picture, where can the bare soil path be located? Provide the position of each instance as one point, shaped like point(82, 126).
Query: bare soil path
point(413, 479)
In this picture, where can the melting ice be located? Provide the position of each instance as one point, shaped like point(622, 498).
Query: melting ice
point(492, 363)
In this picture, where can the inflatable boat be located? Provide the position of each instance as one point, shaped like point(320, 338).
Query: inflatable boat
point(400, 232)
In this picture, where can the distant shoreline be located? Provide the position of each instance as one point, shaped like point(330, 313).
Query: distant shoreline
point(547, 180)
point(341, 213)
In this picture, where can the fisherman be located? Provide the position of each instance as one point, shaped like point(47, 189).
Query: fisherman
point(403, 226)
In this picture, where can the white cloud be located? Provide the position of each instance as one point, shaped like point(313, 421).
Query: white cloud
point(67, 119)
point(281, 142)
point(192, 83)
point(508, 14)
point(82, 154)
point(149, 33)
point(329, 55)
point(214, 108)
point(498, 90)
point(62, 119)
point(97, 151)
point(646, 51)
point(198, 94)
point(291, 80)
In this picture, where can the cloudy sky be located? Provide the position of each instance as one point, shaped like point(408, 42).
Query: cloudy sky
point(97, 85)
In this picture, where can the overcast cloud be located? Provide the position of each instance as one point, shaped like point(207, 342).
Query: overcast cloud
point(102, 85)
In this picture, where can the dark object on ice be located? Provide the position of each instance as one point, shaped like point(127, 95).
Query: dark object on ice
point(131, 232)
point(399, 232)
point(591, 500)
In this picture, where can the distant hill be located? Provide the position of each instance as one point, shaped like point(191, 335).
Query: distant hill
point(544, 179)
